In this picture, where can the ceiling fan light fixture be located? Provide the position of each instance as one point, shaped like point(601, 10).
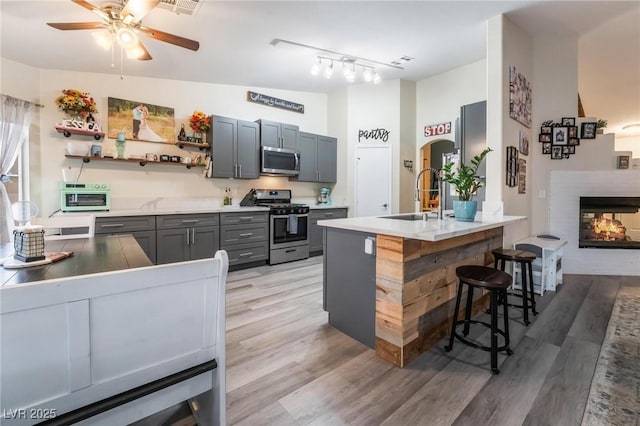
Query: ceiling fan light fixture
point(126, 37)
point(104, 39)
point(135, 52)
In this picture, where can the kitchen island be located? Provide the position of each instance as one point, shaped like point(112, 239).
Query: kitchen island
point(391, 283)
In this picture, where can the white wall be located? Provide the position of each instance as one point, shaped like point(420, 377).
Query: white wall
point(132, 183)
point(407, 145)
point(337, 115)
point(566, 188)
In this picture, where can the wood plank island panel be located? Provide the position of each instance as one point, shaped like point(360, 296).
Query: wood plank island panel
point(416, 287)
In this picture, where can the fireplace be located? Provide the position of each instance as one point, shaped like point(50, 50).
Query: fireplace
point(610, 222)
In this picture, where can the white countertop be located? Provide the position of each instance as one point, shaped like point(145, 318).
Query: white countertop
point(432, 229)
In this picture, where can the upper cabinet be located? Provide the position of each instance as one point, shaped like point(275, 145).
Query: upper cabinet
point(318, 158)
point(236, 146)
point(279, 135)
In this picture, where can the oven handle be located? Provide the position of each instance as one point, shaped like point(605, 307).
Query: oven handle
point(281, 216)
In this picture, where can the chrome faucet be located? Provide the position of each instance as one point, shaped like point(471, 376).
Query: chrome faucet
point(418, 190)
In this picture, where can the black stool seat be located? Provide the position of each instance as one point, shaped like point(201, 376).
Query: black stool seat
point(525, 259)
point(497, 282)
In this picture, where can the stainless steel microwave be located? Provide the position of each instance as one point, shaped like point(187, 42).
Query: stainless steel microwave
point(76, 196)
point(280, 161)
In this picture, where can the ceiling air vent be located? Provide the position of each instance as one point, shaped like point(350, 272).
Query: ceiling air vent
point(188, 7)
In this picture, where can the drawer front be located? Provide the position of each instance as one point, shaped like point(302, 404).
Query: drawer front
point(241, 234)
point(246, 253)
point(240, 218)
point(187, 220)
point(124, 224)
point(328, 214)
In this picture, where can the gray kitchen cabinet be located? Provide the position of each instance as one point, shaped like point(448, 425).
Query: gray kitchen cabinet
point(245, 236)
point(187, 237)
point(318, 158)
point(143, 229)
point(315, 231)
point(235, 146)
point(279, 135)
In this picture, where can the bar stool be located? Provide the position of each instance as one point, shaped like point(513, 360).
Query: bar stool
point(525, 259)
point(497, 282)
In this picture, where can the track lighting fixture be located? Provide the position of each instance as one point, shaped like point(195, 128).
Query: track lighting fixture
point(376, 78)
point(315, 68)
point(328, 71)
point(367, 74)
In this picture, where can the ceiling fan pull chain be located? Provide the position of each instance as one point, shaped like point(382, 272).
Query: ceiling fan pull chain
point(121, 63)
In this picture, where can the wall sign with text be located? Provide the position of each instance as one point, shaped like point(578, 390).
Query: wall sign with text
point(437, 129)
point(374, 134)
point(259, 98)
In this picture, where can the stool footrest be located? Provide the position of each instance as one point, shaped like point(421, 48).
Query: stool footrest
point(468, 342)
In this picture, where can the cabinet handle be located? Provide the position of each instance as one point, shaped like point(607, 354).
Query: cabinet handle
point(190, 221)
point(248, 234)
point(239, 170)
point(246, 217)
point(193, 235)
point(112, 225)
point(290, 251)
point(328, 214)
point(187, 236)
point(246, 254)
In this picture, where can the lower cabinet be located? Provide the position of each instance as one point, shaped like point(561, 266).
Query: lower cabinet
point(315, 231)
point(186, 237)
point(245, 237)
point(143, 229)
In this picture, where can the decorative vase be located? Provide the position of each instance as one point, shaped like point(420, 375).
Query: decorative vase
point(465, 211)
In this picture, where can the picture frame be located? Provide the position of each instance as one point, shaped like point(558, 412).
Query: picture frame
point(522, 176)
point(572, 131)
point(588, 130)
point(512, 166)
point(623, 162)
point(568, 121)
point(543, 137)
point(572, 149)
point(574, 141)
point(523, 143)
point(519, 97)
point(546, 148)
point(140, 121)
point(547, 130)
point(560, 135)
point(556, 153)
point(565, 150)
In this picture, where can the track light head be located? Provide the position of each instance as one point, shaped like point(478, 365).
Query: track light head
point(376, 78)
point(328, 71)
point(315, 68)
point(367, 75)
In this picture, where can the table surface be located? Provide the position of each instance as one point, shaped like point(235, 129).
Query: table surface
point(545, 243)
point(90, 255)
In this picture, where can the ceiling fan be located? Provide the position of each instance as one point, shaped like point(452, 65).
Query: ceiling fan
point(123, 21)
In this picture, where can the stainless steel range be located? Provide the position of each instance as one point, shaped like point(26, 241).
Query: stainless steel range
point(288, 230)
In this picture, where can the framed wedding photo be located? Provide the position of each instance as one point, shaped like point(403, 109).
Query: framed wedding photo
point(588, 130)
point(568, 121)
point(560, 135)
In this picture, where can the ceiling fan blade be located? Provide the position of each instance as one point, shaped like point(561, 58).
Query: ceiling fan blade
point(77, 25)
point(170, 38)
point(137, 9)
point(91, 7)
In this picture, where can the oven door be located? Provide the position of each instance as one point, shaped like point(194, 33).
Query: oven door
point(284, 232)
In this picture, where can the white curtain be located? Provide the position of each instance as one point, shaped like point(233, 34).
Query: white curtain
point(14, 128)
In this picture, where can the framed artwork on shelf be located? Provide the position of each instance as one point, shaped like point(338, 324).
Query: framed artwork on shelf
point(568, 121)
point(519, 97)
point(140, 121)
point(560, 136)
point(512, 166)
point(623, 162)
point(556, 153)
point(588, 130)
point(523, 145)
point(546, 148)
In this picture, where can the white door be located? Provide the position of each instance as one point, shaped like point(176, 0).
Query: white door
point(373, 180)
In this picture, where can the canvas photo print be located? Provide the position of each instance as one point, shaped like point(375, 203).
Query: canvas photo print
point(140, 121)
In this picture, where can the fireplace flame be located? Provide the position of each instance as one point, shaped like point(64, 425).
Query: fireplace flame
point(607, 229)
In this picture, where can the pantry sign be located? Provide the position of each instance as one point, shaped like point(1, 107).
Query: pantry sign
point(437, 129)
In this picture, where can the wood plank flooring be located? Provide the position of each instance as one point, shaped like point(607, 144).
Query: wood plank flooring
point(287, 366)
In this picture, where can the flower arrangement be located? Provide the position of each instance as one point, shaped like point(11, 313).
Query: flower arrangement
point(200, 122)
point(73, 101)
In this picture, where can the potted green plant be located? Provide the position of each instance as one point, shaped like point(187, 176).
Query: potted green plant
point(600, 126)
point(466, 182)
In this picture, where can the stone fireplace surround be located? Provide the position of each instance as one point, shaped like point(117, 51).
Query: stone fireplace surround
point(565, 190)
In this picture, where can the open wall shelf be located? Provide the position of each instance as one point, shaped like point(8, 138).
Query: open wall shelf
point(140, 161)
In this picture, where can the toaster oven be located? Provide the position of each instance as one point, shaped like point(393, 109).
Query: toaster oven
point(76, 196)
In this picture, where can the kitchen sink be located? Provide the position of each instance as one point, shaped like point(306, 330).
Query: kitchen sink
point(412, 216)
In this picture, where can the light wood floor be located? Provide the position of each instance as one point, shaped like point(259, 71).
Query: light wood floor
point(287, 366)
